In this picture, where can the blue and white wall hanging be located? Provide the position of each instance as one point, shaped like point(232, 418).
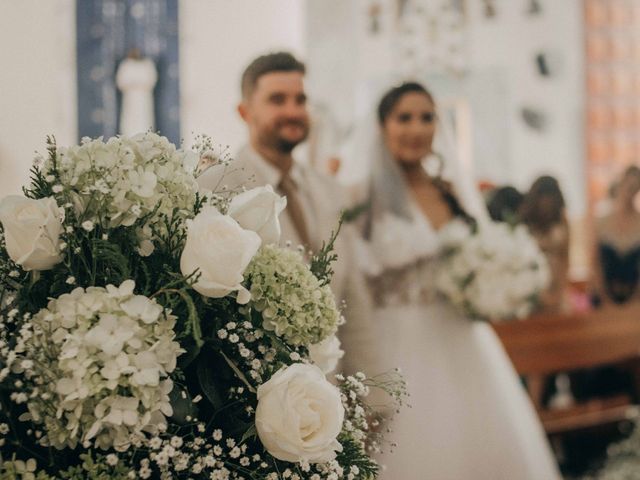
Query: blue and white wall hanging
point(107, 30)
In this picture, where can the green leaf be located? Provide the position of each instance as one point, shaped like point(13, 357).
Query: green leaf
point(191, 353)
point(321, 262)
point(183, 406)
point(250, 433)
point(238, 373)
point(114, 265)
point(207, 374)
point(352, 214)
point(192, 325)
point(353, 454)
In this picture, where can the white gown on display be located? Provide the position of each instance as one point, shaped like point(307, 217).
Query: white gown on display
point(136, 78)
point(470, 417)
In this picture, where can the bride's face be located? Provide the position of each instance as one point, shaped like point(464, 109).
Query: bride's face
point(408, 129)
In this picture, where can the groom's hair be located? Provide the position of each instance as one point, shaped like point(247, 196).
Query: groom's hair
point(272, 62)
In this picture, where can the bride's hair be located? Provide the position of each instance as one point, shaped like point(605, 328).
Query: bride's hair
point(387, 103)
point(392, 97)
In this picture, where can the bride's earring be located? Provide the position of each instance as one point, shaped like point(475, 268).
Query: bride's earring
point(435, 165)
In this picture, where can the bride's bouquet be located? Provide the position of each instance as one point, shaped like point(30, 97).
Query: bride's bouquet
point(622, 461)
point(149, 329)
point(491, 272)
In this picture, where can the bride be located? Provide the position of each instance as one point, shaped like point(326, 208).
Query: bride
point(470, 417)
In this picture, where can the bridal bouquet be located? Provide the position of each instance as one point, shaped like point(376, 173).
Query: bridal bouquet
point(622, 461)
point(494, 272)
point(149, 329)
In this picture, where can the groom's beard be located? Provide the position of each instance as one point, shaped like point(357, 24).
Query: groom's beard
point(282, 144)
point(285, 146)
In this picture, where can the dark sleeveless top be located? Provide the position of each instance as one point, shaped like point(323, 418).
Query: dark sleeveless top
point(620, 271)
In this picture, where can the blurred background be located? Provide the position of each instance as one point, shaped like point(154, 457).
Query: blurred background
point(517, 70)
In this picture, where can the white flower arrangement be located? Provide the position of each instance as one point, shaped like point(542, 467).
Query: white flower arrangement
point(140, 318)
point(494, 273)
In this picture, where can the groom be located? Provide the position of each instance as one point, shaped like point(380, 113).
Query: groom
point(274, 108)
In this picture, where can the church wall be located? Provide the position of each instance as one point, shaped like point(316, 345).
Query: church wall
point(219, 37)
point(508, 43)
point(500, 58)
point(217, 40)
point(37, 83)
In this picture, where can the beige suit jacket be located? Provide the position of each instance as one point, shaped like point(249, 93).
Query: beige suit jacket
point(322, 200)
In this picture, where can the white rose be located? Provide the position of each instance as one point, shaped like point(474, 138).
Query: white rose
point(32, 231)
point(326, 354)
point(300, 415)
point(220, 250)
point(258, 210)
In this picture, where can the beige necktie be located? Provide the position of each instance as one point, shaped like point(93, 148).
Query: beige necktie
point(288, 187)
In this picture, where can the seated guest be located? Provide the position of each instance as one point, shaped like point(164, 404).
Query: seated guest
point(543, 211)
point(615, 277)
point(616, 269)
point(504, 204)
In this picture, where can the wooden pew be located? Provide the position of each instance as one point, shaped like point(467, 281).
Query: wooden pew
point(545, 345)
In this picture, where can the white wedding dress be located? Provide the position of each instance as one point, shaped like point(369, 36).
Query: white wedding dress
point(470, 418)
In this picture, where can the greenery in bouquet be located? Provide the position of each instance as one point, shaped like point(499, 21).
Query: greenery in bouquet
point(149, 329)
point(492, 271)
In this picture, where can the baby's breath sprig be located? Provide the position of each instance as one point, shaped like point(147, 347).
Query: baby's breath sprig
point(210, 153)
point(367, 424)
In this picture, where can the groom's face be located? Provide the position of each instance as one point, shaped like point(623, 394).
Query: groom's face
point(276, 111)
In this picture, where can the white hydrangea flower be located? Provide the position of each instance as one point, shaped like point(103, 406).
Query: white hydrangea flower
point(299, 310)
point(124, 179)
point(108, 355)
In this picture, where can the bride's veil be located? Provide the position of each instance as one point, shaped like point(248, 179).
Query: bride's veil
point(461, 176)
point(388, 191)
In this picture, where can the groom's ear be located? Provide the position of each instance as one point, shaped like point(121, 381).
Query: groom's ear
point(242, 110)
